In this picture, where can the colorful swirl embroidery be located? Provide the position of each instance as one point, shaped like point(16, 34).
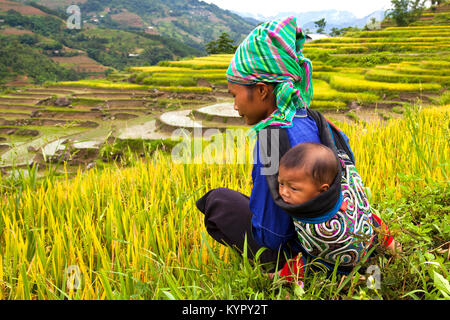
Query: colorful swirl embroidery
point(348, 233)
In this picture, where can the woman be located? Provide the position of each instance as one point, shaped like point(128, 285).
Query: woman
point(271, 84)
point(270, 81)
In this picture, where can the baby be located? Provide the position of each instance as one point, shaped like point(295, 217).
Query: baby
point(305, 171)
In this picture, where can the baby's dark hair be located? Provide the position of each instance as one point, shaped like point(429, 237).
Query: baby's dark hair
point(319, 161)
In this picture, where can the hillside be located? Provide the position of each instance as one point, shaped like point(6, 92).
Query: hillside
point(438, 14)
point(41, 32)
point(192, 22)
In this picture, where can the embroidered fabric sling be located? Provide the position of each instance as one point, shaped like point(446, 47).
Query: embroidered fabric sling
point(338, 223)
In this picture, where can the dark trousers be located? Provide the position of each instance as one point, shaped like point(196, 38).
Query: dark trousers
point(228, 219)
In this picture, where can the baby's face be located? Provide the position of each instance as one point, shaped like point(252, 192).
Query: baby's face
point(296, 186)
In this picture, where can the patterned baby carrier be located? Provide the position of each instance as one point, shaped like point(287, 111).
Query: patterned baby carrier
point(348, 234)
point(337, 224)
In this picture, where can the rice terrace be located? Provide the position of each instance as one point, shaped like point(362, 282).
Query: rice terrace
point(95, 205)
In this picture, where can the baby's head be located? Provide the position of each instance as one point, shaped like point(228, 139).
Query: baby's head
point(305, 171)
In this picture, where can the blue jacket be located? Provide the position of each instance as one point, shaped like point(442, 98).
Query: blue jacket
point(272, 227)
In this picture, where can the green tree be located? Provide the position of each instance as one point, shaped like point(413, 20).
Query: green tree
point(211, 47)
point(404, 12)
point(335, 32)
point(320, 25)
point(222, 45)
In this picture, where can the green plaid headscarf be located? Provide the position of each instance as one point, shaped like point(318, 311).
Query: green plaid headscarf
point(272, 53)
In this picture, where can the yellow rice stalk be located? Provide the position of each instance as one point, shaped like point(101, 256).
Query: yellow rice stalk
point(416, 28)
point(126, 226)
point(128, 86)
point(160, 69)
point(349, 84)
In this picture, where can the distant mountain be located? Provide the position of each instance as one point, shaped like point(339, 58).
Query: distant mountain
point(334, 18)
point(193, 22)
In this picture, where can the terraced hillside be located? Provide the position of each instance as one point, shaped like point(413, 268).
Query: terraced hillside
point(363, 76)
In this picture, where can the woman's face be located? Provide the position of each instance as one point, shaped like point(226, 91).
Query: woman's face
point(254, 103)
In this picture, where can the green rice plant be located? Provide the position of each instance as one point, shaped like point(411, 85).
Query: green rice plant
point(194, 64)
point(352, 115)
point(135, 233)
point(398, 110)
point(400, 33)
point(127, 86)
point(87, 101)
point(328, 105)
point(197, 75)
point(436, 64)
point(441, 17)
point(157, 81)
point(355, 40)
point(356, 85)
point(442, 99)
point(389, 76)
point(412, 69)
point(11, 110)
point(418, 28)
point(159, 69)
point(352, 49)
point(323, 91)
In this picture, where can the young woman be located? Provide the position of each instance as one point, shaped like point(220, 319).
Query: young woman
point(270, 81)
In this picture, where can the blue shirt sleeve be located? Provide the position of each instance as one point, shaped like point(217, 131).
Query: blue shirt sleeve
point(272, 227)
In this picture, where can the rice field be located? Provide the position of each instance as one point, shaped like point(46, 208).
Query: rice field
point(104, 84)
point(141, 237)
point(359, 66)
point(350, 84)
point(133, 232)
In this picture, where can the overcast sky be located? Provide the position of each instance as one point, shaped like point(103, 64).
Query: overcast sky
point(359, 8)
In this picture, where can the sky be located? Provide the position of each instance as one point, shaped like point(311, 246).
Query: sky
point(360, 8)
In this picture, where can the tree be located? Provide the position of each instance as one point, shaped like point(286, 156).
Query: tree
point(405, 12)
point(320, 25)
point(373, 24)
point(222, 45)
point(335, 32)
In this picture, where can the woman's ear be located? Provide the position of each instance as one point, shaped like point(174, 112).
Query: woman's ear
point(263, 90)
point(324, 187)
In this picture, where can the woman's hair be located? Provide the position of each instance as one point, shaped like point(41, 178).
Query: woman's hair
point(319, 161)
point(251, 87)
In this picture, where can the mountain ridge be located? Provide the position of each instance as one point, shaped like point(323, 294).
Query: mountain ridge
point(51, 52)
point(193, 22)
point(334, 18)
